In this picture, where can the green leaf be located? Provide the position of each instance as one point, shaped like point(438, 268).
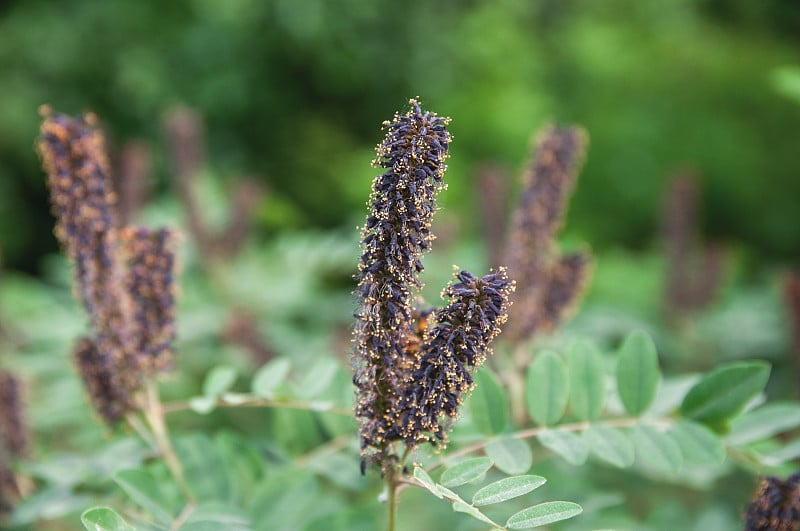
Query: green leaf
point(425, 479)
point(104, 519)
point(49, 503)
point(764, 422)
point(610, 445)
point(506, 489)
point(235, 399)
point(724, 392)
point(656, 449)
point(243, 462)
point(340, 468)
point(447, 493)
point(270, 376)
point(215, 516)
point(204, 468)
point(286, 499)
point(488, 405)
point(570, 446)
point(218, 380)
point(546, 388)
point(145, 492)
point(466, 471)
point(587, 382)
point(463, 507)
point(778, 456)
point(637, 373)
point(318, 377)
point(698, 444)
point(203, 404)
point(510, 455)
point(543, 514)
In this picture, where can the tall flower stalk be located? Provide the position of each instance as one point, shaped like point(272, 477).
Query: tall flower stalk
point(414, 366)
point(549, 283)
point(123, 276)
point(394, 237)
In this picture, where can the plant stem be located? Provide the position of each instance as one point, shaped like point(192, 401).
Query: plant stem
point(256, 401)
point(624, 422)
point(154, 413)
point(133, 421)
point(181, 519)
point(392, 488)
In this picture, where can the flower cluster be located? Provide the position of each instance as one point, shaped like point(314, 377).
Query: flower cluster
point(123, 277)
point(13, 435)
point(548, 284)
point(391, 334)
point(396, 233)
point(106, 379)
point(451, 351)
point(150, 265)
point(13, 438)
point(775, 506)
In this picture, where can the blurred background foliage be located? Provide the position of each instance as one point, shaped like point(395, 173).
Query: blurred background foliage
point(292, 91)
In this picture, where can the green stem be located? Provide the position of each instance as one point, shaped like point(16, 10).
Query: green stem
point(154, 413)
point(392, 488)
point(255, 401)
point(625, 422)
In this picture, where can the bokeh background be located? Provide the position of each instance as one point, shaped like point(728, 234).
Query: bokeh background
point(292, 93)
point(690, 106)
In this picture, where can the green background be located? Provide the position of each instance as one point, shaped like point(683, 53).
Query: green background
point(293, 92)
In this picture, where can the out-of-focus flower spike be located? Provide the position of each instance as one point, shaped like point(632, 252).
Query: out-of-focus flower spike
point(104, 379)
point(13, 431)
point(547, 184)
point(775, 506)
point(74, 157)
point(568, 279)
point(149, 259)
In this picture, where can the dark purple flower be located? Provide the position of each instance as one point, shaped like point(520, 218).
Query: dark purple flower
point(532, 258)
point(456, 345)
point(394, 237)
point(13, 433)
point(775, 506)
point(106, 381)
point(122, 277)
point(149, 282)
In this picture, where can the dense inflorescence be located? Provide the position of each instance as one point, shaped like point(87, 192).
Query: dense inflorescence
point(531, 256)
point(123, 277)
point(150, 264)
point(74, 157)
point(107, 380)
point(9, 493)
point(694, 270)
point(775, 506)
point(13, 434)
point(396, 233)
point(414, 365)
point(452, 350)
point(13, 438)
point(568, 277)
